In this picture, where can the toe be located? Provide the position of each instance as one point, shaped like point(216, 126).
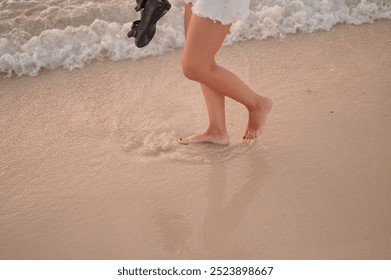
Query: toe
point(246, 135)
point(253, 135)
point(183, 141)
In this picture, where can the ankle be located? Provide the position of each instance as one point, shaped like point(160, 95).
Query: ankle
point(256, 105)
point(216, 131)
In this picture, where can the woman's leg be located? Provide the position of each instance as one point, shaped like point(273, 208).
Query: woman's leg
point(204, 39)
point(215, 102)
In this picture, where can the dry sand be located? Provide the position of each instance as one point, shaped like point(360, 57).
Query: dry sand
point(89, 167)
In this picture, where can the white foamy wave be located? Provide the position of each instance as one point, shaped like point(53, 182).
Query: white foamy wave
point(41, 34)
point(73, 47)
point(277, 18)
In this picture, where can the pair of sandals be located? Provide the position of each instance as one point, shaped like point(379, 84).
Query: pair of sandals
point(144, 29)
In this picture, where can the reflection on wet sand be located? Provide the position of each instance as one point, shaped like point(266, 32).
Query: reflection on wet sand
point(224, 212)
point(171, 227)
point(202, 222)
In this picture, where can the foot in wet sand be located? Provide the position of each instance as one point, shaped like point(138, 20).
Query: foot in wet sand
point(257, 118)
point(206, 137)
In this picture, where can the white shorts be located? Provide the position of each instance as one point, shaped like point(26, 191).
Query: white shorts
point(224, 11)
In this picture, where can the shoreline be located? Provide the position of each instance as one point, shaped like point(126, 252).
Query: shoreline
point(4, 75)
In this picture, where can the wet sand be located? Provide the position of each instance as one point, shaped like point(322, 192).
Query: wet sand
point(89, 167)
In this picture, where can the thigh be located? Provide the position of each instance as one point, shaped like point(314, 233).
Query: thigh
point(188, 15)
point(204, 38)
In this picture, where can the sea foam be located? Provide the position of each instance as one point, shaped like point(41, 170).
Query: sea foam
point(41, 34)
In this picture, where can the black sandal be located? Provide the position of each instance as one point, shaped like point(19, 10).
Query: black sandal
point(144, 29)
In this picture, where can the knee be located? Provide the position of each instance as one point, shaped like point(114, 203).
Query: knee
point(190, 68)
point(194, 69)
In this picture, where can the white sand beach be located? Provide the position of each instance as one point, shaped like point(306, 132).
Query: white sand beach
point(90, 167)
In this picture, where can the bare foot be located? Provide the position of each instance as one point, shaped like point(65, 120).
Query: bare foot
point(206, 137)
point(257, 118)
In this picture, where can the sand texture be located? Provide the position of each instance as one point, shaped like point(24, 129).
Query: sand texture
point(90, 167)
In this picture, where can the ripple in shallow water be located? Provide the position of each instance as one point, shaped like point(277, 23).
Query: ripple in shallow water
point(157, 142)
